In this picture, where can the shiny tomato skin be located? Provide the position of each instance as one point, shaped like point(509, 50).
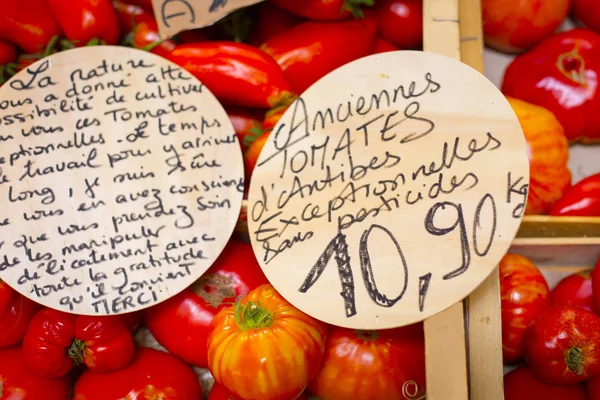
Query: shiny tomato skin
point(151, 375)
point(84, 20)
point(521, 384)
point(16, 312)
point(181, 323)
point(562, 345)
point(17, 382)
point(390, 364)
point(264, 335)
point(524, 295)
point(575, 289)
point(311, 50)
point(401, 22)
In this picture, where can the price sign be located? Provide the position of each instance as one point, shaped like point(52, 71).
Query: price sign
point(121, 181)
point(389, 190)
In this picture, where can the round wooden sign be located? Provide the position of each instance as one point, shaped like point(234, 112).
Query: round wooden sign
point(121, 182)
point(389, 190)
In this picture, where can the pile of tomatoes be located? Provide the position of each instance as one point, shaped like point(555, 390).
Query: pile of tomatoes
point(551, 337)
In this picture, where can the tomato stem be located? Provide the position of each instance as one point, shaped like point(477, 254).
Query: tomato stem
point(368, 335)
point(354, 7)
point(76, 351)
point(252, 316)
point(574, 360)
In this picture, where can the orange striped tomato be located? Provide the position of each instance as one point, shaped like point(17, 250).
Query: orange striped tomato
point(264, 348)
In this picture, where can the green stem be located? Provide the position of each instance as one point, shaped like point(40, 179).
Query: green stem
point(574, 360)
point(76, 351)
point(252, 316)
point(354, 7)
point(368, 335)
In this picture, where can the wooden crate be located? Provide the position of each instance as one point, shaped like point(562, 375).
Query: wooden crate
point(464, 343)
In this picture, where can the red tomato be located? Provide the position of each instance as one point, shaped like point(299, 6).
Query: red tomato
point(17, 382)
point(563, 345)
point(246, 125)
point(85, 20)
point(587, 12)
point(29, 24)
point(146, 37)
point(8, 53)
point(272, 20)
point(575, 290)
point(581, 199)
point(521, 384)
point(145, 4)
point(311, 50)
point(324, 10)
point(596, 287)
point(222, 65)
point(264, 336)
point(130, 15)
point(132, 320)
point(382, 46)
point(524, 295)
point(151, 375)
point(195, 35)
point(55, 341)
point(16, 312)
point(181, 323)
point(593, 388)
point(387, 364)
point(401, 22)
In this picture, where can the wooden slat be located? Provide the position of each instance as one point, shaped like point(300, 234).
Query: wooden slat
point(484, 322)
point(445, 345)
point(543, 226)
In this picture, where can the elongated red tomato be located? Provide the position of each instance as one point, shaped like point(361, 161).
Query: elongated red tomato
point(151, 375)
point(55, 341)
point(309, 51)
point(324, 10)
point(236, 73)
point(16, 312)
point(524, 295)
point(181, 324)
point(8, 53)
point(84, 20)
point(575, 290)
point(264, 336)
point(368, 365)
point(17, 382)
point(246, 124)
point(30, 24)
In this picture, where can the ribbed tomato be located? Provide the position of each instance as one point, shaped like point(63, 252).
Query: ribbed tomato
point(16, 312)
point(265, 348)
point(390, 364)
point(524, 295)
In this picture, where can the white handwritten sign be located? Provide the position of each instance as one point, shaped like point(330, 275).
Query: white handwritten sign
point(389, 190)
point(174, 16)
point(121, 180)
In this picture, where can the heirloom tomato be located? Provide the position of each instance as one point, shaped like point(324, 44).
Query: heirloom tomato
point(17, 382)
point(83, 20)
point(596, 287)
point(561, 74)
point(311, 50)
point(151, 375)
point(548, 152)
point(401, 22)
point(587, 12)
point(582, 199)
point(324, 10)
point(56, 341)
point(390, 364)
point(30, 24)
point(218, 392)
point(236, 73)
point(181, 324)
point(264, 336)
point(524, 295)
point(521, 384)
point(562, 345)
point(575, 290)
point(16, 312)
